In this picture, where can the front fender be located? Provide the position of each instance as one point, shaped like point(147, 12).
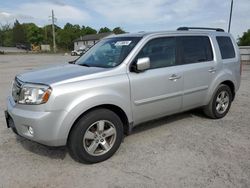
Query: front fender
point(88, 101)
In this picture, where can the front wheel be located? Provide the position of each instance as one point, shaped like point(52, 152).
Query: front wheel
point(96, 136)
point(220, 104)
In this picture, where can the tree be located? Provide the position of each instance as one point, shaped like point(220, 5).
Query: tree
point(8, 38)
point(118, 30)
point(34, 34)
point(245, 39)
point(67, 35)
point(6, 35)
point(47, 32)
point(104, 30)
point(88, 30)
point(18, 33)
point(1, 36)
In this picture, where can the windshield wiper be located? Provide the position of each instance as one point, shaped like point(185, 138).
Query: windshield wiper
point(84, 64)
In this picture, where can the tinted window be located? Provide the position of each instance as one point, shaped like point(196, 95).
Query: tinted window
point(161, 52)
point(226, 47)
point(195, 49)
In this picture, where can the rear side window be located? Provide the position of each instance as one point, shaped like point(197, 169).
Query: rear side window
point(195, 49)
point(226, 47)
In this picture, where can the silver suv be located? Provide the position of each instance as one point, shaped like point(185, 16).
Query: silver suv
point(122, 81)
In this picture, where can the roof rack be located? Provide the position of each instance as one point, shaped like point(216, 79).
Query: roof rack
point(200, 28)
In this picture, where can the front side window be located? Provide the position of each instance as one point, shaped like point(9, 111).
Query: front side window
point(195, 49)
point(226, 47)
point(108, 53)
point(161, 52)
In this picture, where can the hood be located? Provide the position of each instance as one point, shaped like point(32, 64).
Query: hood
point(58, 73)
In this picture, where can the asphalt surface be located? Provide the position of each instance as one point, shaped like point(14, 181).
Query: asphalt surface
point(183, 150)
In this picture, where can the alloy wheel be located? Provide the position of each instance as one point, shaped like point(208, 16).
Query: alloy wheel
point(222, 102)
point(99, 138)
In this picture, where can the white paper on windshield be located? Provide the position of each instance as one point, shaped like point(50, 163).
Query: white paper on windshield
point(123, 43)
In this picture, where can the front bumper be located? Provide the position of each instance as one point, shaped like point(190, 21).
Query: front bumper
point(10, 122)
point(46, 124)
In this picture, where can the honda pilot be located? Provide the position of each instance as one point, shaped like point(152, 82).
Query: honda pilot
point(122, 81)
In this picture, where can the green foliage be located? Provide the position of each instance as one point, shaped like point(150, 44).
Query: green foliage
point(47, 32)
point(30, 33)
point(118, 30)
point(8, 38)
point(67, 35)
point(104, 30)
point(19, 33)
point(6, 35)
point(1, 37)
point(245, 39)
point(34, 34)
point(88, 30)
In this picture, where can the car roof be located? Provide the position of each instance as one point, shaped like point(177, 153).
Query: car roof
point(174, 32)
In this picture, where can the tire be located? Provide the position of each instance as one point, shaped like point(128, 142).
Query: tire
point(96, 136)
point(215, 108)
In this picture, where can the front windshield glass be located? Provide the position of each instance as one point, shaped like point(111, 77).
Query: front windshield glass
point(108, 52)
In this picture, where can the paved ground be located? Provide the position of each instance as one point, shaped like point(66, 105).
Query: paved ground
point(184, 150)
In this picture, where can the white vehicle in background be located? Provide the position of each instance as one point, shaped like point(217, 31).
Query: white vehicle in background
point(78, 52)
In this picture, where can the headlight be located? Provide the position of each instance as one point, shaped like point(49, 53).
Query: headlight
point(34, 94)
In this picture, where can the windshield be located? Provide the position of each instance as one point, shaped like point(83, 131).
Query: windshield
point(108, 52)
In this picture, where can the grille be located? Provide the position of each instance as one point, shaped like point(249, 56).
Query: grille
point(16, 88)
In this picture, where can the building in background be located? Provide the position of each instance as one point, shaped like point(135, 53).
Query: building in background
point(87, 41)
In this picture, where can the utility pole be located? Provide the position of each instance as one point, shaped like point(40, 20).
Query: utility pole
point(230, 17)
point(45, 34)
point(53, 31)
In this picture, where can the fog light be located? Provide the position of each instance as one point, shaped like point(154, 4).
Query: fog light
point(31, 131)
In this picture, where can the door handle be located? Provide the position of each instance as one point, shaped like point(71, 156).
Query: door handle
point(174, 77)
point(212, 70)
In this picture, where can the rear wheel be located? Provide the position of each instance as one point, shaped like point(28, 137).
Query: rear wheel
point(96, 136)
point(220, 104)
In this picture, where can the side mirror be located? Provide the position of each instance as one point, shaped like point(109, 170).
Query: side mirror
point(142, 64)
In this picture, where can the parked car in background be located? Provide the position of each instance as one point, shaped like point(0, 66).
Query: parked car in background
point(26, 47)
point(78, 52)
point(122, 81)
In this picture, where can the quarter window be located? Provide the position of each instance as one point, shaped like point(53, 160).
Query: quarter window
point(161, 52)
point(226, 47)
point(195, 49)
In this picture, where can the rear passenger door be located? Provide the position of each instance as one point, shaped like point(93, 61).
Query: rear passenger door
point(198, 68)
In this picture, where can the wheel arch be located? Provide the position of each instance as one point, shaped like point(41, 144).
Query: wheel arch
point(227, 82)
point(222, 77)
point(114, 108)
point(230, 84)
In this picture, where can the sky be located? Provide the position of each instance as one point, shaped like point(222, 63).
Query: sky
point(131, 15)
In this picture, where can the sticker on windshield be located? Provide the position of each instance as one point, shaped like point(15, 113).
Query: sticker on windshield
point(123, 43)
